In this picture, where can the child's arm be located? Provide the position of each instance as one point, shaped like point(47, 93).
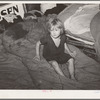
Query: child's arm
point(73, 54)
point(38, 50)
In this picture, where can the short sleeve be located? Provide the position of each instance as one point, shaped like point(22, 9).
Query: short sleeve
point(65, 38)
point(43, 40)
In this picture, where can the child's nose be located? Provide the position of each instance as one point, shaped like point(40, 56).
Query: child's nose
point(54, 32)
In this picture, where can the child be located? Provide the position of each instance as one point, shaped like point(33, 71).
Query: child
point(54, 48)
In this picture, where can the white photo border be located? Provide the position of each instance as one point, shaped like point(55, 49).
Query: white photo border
point(50, 94)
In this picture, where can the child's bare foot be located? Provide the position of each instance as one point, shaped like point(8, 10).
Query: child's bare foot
point(73, 78)
point(37, 58)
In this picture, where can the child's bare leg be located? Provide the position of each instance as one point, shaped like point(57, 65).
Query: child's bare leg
point(55, 65)
point(71, 68)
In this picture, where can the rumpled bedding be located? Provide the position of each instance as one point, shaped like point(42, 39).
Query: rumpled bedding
point(19, 69)
point(77, 19)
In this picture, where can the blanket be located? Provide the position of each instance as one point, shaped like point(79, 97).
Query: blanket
point(18, 69)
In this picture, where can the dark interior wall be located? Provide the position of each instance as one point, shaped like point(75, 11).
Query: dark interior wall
point(55, 10)
point(30, 7)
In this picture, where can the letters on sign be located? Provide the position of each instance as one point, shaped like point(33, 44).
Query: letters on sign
point(17, 9)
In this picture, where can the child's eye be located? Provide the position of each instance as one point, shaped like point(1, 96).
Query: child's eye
point(57, 29)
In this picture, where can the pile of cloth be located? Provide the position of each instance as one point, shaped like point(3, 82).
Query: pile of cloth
point(18, 69)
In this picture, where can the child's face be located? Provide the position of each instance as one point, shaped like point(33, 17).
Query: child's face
point(55, 32)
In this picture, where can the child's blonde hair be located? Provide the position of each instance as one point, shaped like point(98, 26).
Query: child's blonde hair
point(52, 22)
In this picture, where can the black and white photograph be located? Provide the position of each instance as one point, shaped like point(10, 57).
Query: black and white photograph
point(49, 46)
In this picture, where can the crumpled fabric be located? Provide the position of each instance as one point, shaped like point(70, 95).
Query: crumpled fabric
point(19, 69)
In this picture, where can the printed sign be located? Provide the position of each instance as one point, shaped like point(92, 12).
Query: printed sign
point(17, 9)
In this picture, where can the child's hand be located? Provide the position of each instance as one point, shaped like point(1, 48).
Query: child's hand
point(37, 58)
point(73, 54)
